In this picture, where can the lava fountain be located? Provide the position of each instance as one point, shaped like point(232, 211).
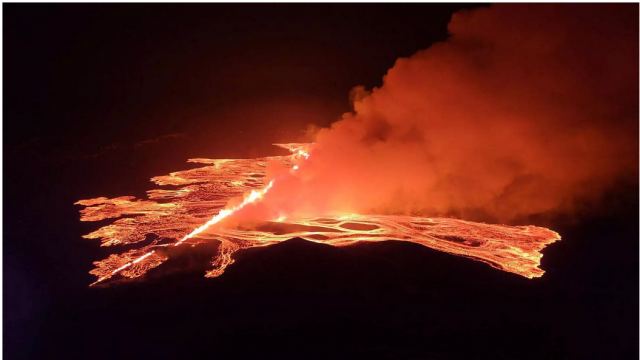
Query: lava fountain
point(194, 210)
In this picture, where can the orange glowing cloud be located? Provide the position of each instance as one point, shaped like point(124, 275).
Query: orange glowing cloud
point(524, 110)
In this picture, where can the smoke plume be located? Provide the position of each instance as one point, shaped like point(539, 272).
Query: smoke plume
point(524, 110)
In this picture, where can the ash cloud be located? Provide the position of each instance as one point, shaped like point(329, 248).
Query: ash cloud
point(524, 110)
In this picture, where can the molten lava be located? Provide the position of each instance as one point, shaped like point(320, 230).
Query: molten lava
point(192, 212)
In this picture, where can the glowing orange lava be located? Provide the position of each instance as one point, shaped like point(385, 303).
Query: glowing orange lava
point(200, 198)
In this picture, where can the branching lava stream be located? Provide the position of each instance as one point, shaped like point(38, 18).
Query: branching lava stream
point(199, 199)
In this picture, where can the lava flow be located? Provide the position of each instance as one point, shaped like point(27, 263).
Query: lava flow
point(189, 214)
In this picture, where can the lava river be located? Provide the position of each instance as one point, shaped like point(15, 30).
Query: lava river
point(190, 204)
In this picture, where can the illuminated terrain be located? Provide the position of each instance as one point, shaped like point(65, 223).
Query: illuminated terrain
point(191, 207)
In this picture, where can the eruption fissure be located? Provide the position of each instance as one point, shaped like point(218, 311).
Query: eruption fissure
point(224, 213)
point(504, 120)
point(253, 196)
point(512, 249)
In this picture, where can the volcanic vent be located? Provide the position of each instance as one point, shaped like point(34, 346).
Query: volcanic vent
point(198, 205)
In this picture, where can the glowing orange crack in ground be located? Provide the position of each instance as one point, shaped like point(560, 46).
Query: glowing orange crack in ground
point(202, 191)
point(130, 263)
point(224, 213)
point(253, 196)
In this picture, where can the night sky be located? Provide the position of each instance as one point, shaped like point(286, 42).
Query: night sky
point(99, 98)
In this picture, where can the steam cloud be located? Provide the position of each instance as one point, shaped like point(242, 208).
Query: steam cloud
point(524, 110)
